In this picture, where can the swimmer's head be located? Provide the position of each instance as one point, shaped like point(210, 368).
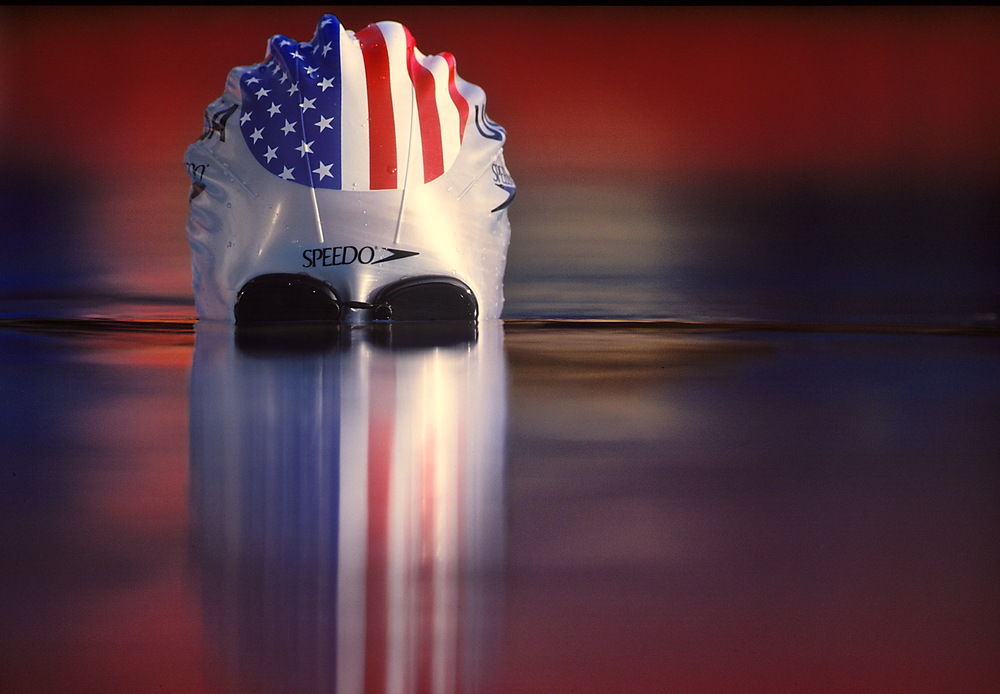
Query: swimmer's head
point(349, 178)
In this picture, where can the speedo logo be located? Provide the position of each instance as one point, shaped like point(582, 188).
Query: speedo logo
point(347, 255)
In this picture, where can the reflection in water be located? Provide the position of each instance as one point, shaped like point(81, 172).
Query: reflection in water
point(347, 498)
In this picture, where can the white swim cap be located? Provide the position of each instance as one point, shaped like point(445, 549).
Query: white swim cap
point(349, 178)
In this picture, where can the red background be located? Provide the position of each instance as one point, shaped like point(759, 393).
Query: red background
point(585, 89)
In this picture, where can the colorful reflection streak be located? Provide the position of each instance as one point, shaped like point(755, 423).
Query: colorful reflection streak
point(348, 505)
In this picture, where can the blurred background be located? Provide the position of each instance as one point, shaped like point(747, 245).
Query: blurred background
point(795, 164)
point(675, 510)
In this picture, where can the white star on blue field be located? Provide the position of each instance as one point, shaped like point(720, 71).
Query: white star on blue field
point(291, 106)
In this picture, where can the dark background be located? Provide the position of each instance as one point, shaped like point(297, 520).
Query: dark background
point(793, 164)
point(695, 511)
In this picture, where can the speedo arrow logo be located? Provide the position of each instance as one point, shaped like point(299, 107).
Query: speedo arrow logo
point(396, 255)
point(511, 191)
point(347, 255)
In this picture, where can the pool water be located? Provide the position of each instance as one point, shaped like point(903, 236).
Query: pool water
point(535, 506)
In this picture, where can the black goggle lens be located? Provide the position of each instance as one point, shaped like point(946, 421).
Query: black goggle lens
point(429, 298)
point(281, 298)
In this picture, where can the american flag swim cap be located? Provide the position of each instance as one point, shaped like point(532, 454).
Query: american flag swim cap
point(352, 159)
point(351, 111)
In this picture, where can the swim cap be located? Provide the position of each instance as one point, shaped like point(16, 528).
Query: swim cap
point(349, 178)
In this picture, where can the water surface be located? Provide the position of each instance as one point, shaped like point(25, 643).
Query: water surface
point(533, 507)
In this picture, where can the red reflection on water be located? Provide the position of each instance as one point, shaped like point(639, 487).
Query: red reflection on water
point(103, 599)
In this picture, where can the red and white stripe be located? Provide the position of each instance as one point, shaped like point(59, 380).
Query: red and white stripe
point(399, 604)
point(410, 110)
